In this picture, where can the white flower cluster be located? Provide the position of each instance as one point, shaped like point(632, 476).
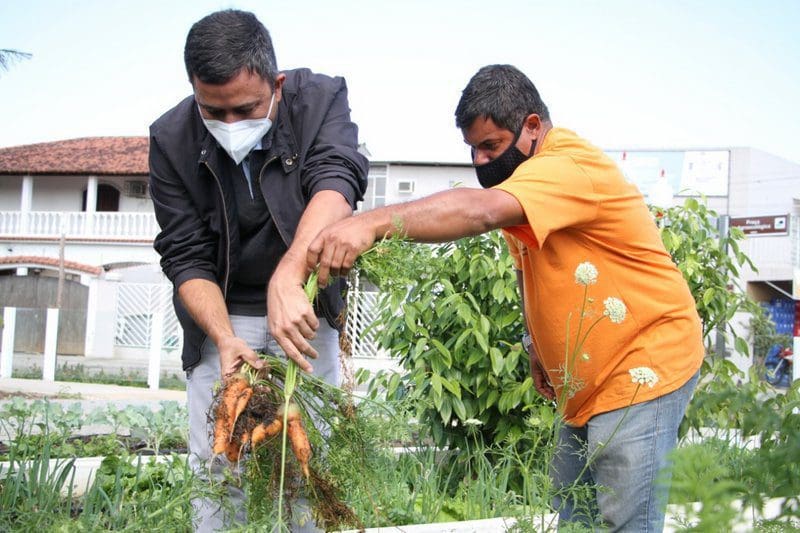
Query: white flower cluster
point(643, 375)
point(586, 274)
point(614, 309)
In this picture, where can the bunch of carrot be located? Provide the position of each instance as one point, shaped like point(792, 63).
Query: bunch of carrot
point(231, 440)
point(234, 396)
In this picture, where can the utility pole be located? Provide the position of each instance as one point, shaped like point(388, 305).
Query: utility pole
point(723, 228)
point(61, 276)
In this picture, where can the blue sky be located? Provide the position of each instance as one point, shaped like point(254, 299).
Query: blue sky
point(624, 74)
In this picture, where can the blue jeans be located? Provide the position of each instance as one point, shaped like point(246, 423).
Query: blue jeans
point(625, 487)
point(211, 514)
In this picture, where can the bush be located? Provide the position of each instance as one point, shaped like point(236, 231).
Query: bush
point(457, 333)
point(709, 262)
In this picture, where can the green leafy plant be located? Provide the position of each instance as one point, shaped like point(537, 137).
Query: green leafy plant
point(710, 263)
point(135, 494)
point(31, 490)
point(740, 444)
point(29, 424)
point(456, 333)
point(168, 425)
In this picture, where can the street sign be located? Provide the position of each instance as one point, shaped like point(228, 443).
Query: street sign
point(772, 225)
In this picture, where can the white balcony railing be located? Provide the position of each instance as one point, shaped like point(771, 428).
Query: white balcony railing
point(78, 225)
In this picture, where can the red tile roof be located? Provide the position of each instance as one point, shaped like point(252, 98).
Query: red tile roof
point(91, 155)
point(49, 262)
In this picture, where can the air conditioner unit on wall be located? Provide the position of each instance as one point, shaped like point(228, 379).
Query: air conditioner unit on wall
point(136, 189)
point(405, 187)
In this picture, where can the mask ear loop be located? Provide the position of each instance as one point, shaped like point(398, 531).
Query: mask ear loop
point(533, 143)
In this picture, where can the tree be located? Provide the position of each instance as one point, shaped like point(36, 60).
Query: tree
point(9, 56)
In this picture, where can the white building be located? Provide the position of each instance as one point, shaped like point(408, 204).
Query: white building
point(88, 199)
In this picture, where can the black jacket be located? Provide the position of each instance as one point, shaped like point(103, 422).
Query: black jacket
point(314, 147)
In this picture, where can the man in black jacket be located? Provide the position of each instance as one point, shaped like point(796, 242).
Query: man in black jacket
point(243, 174)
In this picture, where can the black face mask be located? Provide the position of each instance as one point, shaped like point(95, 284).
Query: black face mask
point(500, 169)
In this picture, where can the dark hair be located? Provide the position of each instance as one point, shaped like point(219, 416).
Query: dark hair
point(221, 44)
point(502, 93)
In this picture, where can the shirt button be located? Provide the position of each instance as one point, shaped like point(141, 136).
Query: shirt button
point(289, 162)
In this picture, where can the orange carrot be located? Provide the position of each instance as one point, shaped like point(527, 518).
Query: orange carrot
point(264, 431)
point(300, 445)
point(228, 410)
point(232, 450)
point(220, 435)
point(241, 403)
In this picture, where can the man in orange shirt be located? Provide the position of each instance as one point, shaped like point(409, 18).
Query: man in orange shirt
point(568, 215)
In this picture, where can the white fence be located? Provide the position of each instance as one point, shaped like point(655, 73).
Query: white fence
point(71, 224)
point(138, 306)
point(361, 313)
point(143, 320)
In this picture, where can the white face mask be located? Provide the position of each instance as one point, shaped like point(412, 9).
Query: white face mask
point(239, 138)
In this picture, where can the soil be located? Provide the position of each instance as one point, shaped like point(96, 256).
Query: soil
point(4, 395)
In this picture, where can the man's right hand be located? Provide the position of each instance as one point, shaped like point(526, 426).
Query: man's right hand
point(540, 379)
point(233, 352)
point(204, 301)
point(336, 248)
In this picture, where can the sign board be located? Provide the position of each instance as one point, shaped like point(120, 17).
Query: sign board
point(688, 172)
point(773, 225)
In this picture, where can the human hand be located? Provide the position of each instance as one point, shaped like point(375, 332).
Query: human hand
point(291, 318)
point(540, 379)
point(335, 249)
point(233, 352)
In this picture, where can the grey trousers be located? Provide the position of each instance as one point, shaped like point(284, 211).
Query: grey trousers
point(213, 514)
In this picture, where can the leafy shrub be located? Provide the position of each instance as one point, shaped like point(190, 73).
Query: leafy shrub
point(457, 332)
point(748, 451)
point(709, 262)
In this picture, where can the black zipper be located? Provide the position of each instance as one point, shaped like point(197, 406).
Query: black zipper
point(227, 231)
point(227, 257)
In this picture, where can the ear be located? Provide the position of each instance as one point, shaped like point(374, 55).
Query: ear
point(277, 86)
point(533, 124)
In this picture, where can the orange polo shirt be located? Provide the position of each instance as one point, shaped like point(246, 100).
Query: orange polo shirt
point(580, 208)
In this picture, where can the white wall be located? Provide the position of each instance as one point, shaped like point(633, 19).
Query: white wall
point(101, 315)
point(427, 180)
point(135, 205)
point(10, 193)
point(764, 184)
point(65, 193)
point(761, 183)
point(57, 193)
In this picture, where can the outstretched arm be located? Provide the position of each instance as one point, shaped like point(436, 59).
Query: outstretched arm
point(441, 217)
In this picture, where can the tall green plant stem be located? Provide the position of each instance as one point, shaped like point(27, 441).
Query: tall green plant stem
point(289, 385)
point(570, 357)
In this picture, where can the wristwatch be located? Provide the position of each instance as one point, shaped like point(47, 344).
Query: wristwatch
point(527, 341)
